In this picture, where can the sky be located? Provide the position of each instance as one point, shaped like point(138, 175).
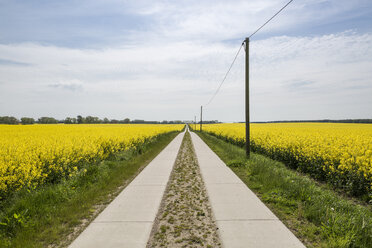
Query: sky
point(162, 60)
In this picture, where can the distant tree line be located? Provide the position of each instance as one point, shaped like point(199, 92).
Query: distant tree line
point(10, 120)
point(365, 121)
point(27, 120)
point(208, 122)
point(92, 120)
point(47, 120)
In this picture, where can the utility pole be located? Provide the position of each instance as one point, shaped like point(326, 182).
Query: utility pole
point(201, 118)
point(194, 123)
point(247, 126)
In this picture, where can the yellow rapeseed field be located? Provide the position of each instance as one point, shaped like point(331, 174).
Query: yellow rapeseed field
point(336, 152)
point(34, 154)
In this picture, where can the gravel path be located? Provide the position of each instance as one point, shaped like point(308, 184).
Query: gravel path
point(185, 217)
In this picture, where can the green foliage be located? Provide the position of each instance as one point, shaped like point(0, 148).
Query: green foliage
point(8, 120)
point(27, 121)
point(365, 121)
point(92, 120)
point(47, 120)
point(79, 119)
point(70, 120)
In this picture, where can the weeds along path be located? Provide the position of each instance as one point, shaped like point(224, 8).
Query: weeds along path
point(185, 217)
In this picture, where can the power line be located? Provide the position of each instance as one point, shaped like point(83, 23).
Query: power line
point(219, 87)
point(228, 71)
point(270, 19)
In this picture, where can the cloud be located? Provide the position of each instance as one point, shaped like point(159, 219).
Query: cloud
point(6, 62)
point(312, 77)
point(291, 78)
point(107, 23)
point(299, 85)
point(216, 21)
point(72, 86)
point(163, 59)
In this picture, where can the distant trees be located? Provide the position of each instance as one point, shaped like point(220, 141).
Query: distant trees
point(78, 120)
point(27, 121)
point(47, 120)
point(11, 120)
point(113, 121)
point(89, 120)
point(8, 120)
point(138, 121)
point(209, 122)
point(92, 120)
point(70, 120)
point(351, 121)
point(364, 121)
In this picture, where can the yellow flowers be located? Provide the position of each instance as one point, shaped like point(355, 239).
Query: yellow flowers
point(35, 154)
point(338, 153)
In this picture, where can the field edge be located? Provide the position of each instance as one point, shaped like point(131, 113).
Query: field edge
point(54, 215)
point(318, 216)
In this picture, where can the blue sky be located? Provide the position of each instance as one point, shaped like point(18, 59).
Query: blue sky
point(160, 60)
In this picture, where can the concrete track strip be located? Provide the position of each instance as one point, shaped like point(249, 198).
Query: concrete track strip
point(127, 221)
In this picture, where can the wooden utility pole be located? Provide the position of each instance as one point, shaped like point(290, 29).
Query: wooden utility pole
point(247, 126)
point(194, 123)
point(201, 118)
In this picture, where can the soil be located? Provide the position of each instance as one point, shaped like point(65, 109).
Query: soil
point(185, 217)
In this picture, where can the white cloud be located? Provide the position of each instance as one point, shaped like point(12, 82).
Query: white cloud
point(170, 66)
point(311, 77)
point(215, 21)
point(291, 78)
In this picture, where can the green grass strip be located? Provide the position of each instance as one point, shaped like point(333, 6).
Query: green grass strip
point(53, 215)
point(317, 215)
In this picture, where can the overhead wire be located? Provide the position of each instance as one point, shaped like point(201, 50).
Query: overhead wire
point(232, 64)
point(270, 19)
point(224, 78)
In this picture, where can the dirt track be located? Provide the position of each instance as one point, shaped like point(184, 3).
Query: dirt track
point(185, 218)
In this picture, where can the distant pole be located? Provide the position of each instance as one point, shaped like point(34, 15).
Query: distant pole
point(201, 118)
point(247, 126)
point(194, 123)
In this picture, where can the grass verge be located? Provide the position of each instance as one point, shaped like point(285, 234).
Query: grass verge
point(53, 215)
point(317, 215)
